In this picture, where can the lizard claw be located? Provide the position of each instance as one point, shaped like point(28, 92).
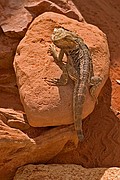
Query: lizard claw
point(51, 49)
point(52, 82)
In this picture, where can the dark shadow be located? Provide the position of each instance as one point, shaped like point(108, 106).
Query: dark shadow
point(102, 137)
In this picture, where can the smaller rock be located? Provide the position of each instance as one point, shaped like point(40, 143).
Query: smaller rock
point(3, 118)
point(18, 124)
point(61, 7)
point(14, 19)
point(13, 119)
point(17, 149)
point(68, 172)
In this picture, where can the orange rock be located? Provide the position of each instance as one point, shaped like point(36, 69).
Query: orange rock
point(14, 119)
point(47, 105)
point(59, 6)
point(17, 149)
point(14, 18)
point(74, 172)
point(14, 146)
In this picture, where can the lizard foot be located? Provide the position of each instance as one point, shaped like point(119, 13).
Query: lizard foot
point(52, 50)
point(54, 82)
point(95, 82)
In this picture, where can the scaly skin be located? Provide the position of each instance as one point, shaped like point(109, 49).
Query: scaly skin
point(78, 67)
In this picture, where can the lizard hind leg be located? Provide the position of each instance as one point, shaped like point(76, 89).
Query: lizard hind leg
point(58, 82)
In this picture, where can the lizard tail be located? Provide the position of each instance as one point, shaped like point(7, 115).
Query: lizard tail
point(80, 135)
point(78, 128)
point(78, 101)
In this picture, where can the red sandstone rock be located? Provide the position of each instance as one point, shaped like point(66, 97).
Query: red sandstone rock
point(47, 105)
point(17, 149)
point(106, 16)
point(61, 7)
point(14, 146)
point(14, 119)
point(67, 172)
point(102, 132)
point(14, 18)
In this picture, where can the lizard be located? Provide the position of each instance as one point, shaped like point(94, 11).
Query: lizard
point(79, 68)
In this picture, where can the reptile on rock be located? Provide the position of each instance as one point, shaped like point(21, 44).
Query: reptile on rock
point(78, 67)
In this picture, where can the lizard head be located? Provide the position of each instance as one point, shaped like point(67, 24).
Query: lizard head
point(64, 38)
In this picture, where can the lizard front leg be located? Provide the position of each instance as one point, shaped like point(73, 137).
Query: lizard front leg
point(58, 60)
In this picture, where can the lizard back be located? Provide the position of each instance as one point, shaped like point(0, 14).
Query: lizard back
point(81, 60)
point(79, 68)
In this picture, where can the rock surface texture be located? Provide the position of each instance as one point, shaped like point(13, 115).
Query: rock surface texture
point(14, 119)
point(17, 148)
point(67, 172)
point(56, 145)
point(51, 105)
point(106, 16)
